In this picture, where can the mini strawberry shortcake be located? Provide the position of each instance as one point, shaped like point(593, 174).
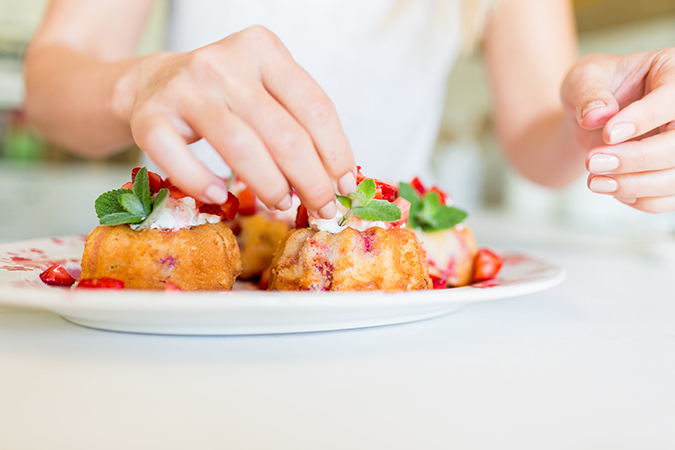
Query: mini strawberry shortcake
point(449, 244)
point(153, 236)
point(259, 230)
point(365, 247)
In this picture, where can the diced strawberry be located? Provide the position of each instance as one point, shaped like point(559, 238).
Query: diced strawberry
point(247, 203)
point(302, 217)
point(486, 266)
point(230, 207)
point(441, 195)
point(417, 184)
point(176, 193)
point(211, 209)
point(171, 287)
point(385, 191)
point(57, 275)
point(166, 183)
point(359, 176)
point(438, 283)
point(155, 180)
point(404, 206)
point(128, 185)
point(100, 283)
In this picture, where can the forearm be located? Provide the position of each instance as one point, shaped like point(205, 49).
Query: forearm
point(546, 152)
point(70, 99)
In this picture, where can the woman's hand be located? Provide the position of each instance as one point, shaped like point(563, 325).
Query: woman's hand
point(625, 109)
point(266, 117)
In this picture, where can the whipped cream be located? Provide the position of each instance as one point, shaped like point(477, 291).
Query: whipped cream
point(175, 214)
point(333, 225)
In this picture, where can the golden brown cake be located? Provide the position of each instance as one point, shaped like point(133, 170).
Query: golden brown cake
point(258, 237)
point(351, 260)
point(450, 254)
point(204, 257)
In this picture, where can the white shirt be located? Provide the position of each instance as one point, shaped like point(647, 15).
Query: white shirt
point(384, 67)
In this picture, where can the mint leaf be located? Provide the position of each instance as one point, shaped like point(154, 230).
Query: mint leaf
point(132, 204)
point(448, 217)
point(345, 201)
point(142, 190)
point(120, 218)
point(108, 203)
point(378, 210)
point(157, 206)
point(367, 189)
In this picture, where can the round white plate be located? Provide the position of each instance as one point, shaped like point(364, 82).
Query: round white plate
point(242, 311)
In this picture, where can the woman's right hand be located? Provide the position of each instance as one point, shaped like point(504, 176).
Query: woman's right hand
point(267, 118)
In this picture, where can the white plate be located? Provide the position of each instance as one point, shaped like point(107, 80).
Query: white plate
point(242, 311)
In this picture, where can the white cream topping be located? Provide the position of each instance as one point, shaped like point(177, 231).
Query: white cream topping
point(181, 213)
point(333, 225)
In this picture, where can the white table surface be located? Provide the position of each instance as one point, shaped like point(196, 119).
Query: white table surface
point(589, 364)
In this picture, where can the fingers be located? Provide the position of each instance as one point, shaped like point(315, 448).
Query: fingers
point(654, 205)
point(653, 153)
point(586, 90)
point(290, 146)
point(306, 101)
point(241, 146)
point(660, 183)
point(642, 116)
point(157, 135)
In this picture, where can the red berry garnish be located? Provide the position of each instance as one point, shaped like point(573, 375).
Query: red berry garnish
point(438, 282)
point(417, 184)
point(211, 209)
point(247, 203)
point(56, 275)
point(128, 185)
point(100, 283)
point(171, 287)
point(302, 217)
point(230, 207)
point(486, 265)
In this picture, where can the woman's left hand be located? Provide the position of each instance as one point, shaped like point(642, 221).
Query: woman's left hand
point(625, 109)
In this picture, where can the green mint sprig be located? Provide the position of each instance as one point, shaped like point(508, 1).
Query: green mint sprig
point(363, 205)
point(131, 206)
point(427, 212)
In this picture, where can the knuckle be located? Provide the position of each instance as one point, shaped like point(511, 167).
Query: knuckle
point(260, 37)
point(321, 110)
point(205, 62)
point(237, 141)
point(289, 143)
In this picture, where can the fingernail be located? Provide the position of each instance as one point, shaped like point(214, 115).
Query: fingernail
point(621, 132)
point(603, 185)
point(285, 203)
point(603, 163)
point(595, 104)
point(217, 195)
point(328, 211)
point(347, 184)
point(627, 201)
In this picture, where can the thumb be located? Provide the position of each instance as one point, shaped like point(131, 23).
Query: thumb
point(586, 91)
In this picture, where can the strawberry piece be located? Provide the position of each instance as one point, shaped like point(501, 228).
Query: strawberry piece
point(302, 217)
point(486, 265)
point(100, 283)
point(359, 176)
point(57, 275)
point(171, 287)
point(128, 185)
point(176, 193)
point(441, 195)
point(438, 282)
point(404, 206)
point(230, 207)
point(247, 203)
point(417, 184)
point(155, 180)
point(211, 209)
point(385, 191)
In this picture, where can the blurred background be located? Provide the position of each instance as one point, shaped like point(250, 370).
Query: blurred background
point(46, 192)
